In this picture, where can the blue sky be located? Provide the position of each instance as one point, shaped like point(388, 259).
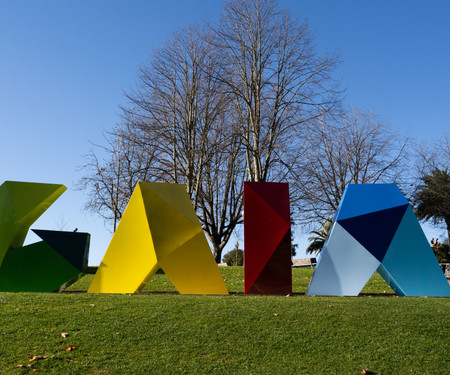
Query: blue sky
point(65, 64)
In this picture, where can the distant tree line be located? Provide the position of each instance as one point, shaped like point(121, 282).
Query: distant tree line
point(249, 98)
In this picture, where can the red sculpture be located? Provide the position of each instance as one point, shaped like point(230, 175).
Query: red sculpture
point(267, 238)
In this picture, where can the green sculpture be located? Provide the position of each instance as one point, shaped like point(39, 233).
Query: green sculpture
point(45, 266)
point(21, 204)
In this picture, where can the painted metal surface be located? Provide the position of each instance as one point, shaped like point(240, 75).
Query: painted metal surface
point(39, 268)
point(72, 246)
point(267, 238)
point(344, 267)
point(159, 229)
point(21, 204)
point(376, 229)
point(362, 199)
point(410, 266)
point(45, 266)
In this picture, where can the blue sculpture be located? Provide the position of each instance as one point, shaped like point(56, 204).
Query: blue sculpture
point(375, 229)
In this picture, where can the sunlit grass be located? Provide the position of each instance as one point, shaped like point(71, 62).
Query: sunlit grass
point(160, 333)
point(234, 281)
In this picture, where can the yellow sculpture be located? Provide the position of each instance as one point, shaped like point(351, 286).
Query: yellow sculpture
point(159, 229)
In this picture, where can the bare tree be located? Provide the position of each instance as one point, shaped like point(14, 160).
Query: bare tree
point(354, 148)
point(110, 181)
point(277, 80)
point(214, 105)
point(183, 111)
point(222, 189)
point(177, 104)
point(433, 156)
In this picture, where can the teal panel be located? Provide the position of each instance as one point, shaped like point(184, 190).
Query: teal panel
point(35, 268)
point(345, 266)
point(391, 282)
point(410, 264)
point(366, 198)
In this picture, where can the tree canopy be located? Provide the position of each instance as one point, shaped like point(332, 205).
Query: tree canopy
point(234, 257)
point(432, 197)
point(356, 147)
point(248, 98)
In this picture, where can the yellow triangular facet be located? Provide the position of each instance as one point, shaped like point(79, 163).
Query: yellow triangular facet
point(159, 228)
point(130, 256)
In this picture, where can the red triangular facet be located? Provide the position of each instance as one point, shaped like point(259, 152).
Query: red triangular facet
point(276, 276)
point(270, 192)
point(264, 229)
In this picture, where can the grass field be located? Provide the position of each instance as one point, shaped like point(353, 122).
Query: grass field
point(165, 333)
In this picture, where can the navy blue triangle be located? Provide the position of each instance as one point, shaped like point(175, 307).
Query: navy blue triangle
point(376, 230)
point(72, 246)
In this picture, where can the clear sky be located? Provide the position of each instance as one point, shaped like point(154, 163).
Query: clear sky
point(65, 64)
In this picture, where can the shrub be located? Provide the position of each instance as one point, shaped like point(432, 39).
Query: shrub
point(234, 258)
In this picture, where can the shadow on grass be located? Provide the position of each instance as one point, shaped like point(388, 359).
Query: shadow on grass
point(168, 292)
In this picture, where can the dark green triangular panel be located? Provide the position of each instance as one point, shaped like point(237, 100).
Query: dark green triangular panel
point(73, 246)
point(35, 268)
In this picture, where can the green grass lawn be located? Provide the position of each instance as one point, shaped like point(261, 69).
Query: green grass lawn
point(151, 333)
point(234, 280)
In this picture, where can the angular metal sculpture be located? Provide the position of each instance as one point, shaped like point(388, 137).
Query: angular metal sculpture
point(159, 228)
point(21, 204)
point(375, 229)
point(44, 266)
point(267, 238)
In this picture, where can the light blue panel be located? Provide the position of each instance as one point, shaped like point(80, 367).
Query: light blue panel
point(344, 267)
point(325, 245)
point(411, 264)
point(366, 198)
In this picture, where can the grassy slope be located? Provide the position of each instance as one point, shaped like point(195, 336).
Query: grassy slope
point(234, 280)
point(164, 334)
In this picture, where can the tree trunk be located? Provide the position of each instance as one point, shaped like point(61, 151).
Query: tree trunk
point(217, 253)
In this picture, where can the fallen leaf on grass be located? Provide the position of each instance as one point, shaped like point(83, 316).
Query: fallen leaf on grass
point(91, 304)
point(37, 358)
point(367, 372)
point(20, 365)
point(70, 348)
point(330, 305)
point(275, 314)
point(64, 334)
